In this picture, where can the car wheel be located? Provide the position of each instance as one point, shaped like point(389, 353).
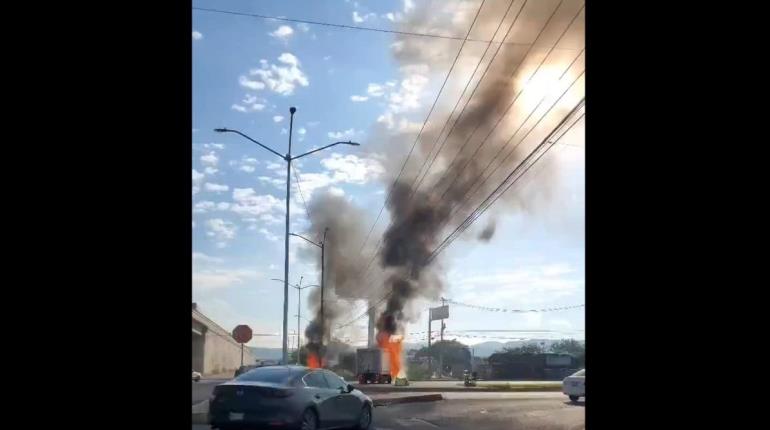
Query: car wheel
point(309, 420)
point(365, 419)
point(574, 398)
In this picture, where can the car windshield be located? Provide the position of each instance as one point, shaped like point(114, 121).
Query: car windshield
point(275, 375)
point(580, 373)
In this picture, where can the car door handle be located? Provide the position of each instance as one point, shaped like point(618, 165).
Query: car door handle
point(317, 396)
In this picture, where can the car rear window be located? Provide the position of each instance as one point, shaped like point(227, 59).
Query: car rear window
point(266, 374)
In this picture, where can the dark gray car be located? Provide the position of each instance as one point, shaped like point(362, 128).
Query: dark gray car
point(289, 397)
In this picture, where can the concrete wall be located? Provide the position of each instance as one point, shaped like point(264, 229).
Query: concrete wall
point(215, 351)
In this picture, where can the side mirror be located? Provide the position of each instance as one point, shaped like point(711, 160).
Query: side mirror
point(351, 388)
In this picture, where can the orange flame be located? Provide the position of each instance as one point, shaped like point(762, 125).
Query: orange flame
point(391, 344)
point(313, 361)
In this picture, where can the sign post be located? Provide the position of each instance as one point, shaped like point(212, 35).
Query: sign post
point(242, 334)
point(439, 313)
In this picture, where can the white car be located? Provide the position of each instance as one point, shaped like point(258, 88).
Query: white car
point(196, 376)
point(575, 385)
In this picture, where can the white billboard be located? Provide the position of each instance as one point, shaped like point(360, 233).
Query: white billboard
point(439, 313)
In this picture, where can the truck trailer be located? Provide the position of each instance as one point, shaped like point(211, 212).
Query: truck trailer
point(372, 366)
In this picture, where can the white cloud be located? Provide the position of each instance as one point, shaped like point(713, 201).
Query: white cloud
point(207, 280)
point(313, 123)
point(277, 118)
point(283, 32)
point(347, 134)
point(196, 189)
point(197, 176)
point(407, 96)
point(204, 206)
point(210, 170)
point(251, 161)
point(390, 16)
point(239, 108)
point(361, 18)
point(335, 191)
point(375, 90)
point(246, 168)
point(327, 58)
point(249, 99)
point(302, 130)
point(356, 98)
point(199, 257)
point(270, 219)
point(303, 27)
point(210, 159)
point(257, 106)
point(352, 169)
point(254, 85)
point(248, 203)
point(284, 131)
point(408, 5)
point(197, 35)
point(281, 79)
point(217, 188)
point(269, 236)
point(273, 166)
point(220, 230)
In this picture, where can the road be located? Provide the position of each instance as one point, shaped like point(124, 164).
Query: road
point(202, 389)
point(471, 410)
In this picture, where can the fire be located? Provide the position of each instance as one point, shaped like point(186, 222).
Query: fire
point(313, 361)
point(392, 344)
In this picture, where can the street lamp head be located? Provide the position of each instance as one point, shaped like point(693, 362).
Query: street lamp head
point(352, 143)
point(292, 110)
point(221, 130)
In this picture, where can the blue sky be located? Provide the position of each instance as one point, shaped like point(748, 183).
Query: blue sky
point(346, 84)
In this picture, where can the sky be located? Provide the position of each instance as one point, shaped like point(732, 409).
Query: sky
point(345, 83)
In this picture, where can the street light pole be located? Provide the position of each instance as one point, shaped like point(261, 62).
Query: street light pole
point(288, 158)
point(321, 245)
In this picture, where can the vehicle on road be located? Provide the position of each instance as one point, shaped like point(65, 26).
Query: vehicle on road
point(196, 376)
point(372, 366)
point(289, 396)
point(243, 369)
point(574, 385)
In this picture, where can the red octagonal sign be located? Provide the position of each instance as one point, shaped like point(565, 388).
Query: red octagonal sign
point(242, 333)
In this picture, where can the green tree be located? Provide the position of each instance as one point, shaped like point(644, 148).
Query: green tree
point(571, 346)
point(455, 353)
point(525, 349)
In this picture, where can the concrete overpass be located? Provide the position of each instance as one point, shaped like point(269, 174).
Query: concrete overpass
point(213, 349)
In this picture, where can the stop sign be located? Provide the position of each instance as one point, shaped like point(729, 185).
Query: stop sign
point(242, 333)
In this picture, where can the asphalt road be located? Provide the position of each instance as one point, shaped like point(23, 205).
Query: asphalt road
point(493, 411)
point(202, 389)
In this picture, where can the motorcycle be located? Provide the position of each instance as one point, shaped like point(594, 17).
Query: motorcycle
point(469, 379)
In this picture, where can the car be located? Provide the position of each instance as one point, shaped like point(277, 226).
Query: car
point(243, 369)
point(196, 376)
point(289, 396)
point(574, 385)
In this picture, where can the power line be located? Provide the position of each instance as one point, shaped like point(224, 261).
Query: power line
point(542, 30)
point(411, 150)
point(473, 187)
point(510, 105)
point(346, 26)
point(486, 69)
point(296, 178)
point(486, 203)
point(491, 309)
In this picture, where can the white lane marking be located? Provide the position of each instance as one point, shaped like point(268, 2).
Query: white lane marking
point(412, 422)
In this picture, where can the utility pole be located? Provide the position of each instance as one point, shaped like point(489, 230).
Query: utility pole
point(441, 350)
point(323, 272)
point(299, 297)
point(321, 245)
point(430, 353)
point(288, 158)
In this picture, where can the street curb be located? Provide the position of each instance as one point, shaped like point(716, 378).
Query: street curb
point(408, 399)
point(511, 389)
